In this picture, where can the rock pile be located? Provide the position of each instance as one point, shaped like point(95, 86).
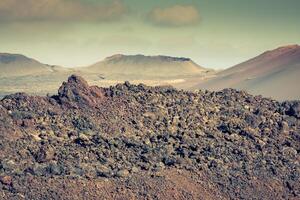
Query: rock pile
point(243, 143)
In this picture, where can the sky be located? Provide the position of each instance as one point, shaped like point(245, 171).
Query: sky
point(214, 33)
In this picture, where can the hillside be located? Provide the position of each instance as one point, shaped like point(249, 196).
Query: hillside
point(19, 73)
point(22, 74)
point(141, 67)
point(273, 74)
point(139, 142)
point(19, 65)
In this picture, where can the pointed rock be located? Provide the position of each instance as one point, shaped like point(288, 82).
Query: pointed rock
point(77, 93)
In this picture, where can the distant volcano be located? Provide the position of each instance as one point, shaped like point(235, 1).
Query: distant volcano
point(274, 73)
point(147, 66)
point(19, 65)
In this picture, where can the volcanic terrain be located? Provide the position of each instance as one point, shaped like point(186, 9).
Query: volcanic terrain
point(140, 142)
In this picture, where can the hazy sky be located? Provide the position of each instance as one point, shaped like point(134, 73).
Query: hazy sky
point(214, 33)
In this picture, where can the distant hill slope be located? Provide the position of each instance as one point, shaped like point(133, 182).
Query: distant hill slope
point(19, 65)
point(146, 66)
point(274, 73)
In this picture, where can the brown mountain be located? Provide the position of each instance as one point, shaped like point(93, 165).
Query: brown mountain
point(20, 65)
point(274, 74)
point(140, 66)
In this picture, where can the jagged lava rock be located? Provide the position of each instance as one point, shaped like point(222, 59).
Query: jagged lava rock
point(76, 92)
point(242, 146)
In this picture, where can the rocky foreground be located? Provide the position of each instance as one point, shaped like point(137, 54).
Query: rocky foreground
point(139, 142)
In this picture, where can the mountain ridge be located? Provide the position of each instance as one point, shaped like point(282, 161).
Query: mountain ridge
point(147, 66)
point(20, 65)
point(269, 56)
point(162, 57)
point(273, 74)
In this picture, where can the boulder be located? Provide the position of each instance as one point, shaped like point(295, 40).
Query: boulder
point(77, 93)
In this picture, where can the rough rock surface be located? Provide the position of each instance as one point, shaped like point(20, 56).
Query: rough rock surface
point(139, 142)
point(77, 93)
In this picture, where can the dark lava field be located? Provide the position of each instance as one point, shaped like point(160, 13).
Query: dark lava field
point(139, 142)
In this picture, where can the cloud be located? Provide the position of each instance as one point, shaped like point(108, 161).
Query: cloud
point(56, 10)
point(177, 15)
